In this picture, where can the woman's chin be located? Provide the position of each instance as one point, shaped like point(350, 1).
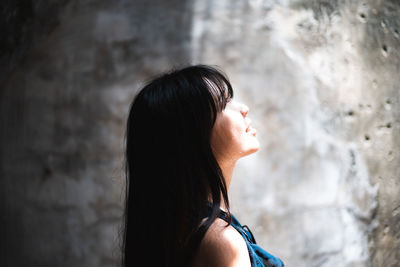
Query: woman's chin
point(255, 149)
point(252, 147)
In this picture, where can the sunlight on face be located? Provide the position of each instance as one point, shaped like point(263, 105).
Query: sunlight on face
point(232, 136)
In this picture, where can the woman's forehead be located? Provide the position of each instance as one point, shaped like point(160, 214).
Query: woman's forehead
point(233, 104)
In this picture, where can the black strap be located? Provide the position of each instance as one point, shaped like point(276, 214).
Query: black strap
point(222, 214)
point(251, 234)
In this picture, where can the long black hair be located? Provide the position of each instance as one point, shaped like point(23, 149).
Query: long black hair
point(172, 176)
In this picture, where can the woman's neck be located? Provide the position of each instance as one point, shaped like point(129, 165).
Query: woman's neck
point(227, 168)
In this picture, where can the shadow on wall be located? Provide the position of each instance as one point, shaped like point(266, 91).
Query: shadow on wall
point(69, 71)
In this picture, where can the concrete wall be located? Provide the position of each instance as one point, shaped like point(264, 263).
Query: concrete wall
point(321, 79)
point(322, 82)
point(63, 108)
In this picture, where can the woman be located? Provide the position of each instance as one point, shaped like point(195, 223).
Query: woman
point(184, 136)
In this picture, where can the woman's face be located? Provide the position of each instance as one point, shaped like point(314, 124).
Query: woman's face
point(232, 136)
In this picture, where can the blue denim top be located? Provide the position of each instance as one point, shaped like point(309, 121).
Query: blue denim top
point(258, 256)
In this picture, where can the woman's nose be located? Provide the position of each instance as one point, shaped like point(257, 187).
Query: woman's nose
point(244, 110)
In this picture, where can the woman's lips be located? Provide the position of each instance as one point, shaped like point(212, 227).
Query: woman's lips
point(251, 130)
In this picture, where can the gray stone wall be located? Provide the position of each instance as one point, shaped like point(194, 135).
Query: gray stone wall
point(70, 73)
point(322, 82)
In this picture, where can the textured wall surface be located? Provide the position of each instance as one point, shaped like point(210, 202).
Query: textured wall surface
point(63, 108)
point(322, 82)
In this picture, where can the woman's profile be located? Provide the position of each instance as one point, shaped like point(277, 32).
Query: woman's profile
point(184, 136)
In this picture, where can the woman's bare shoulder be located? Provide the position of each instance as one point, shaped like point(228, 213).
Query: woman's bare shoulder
point(222, 247)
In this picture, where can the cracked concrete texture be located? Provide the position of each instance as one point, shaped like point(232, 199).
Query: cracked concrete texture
point(320, 78)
